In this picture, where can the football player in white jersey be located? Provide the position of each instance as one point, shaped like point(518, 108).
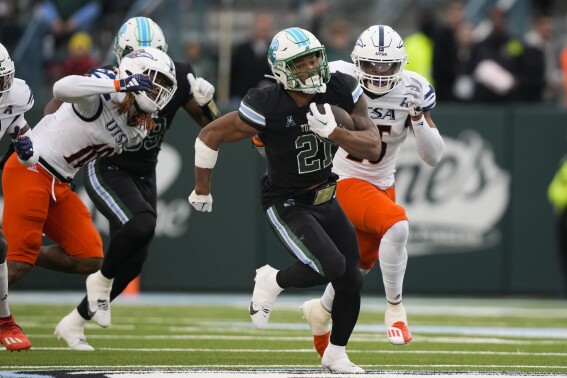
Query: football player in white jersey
point(397, 101)
point(15, 99)
point(103, 114)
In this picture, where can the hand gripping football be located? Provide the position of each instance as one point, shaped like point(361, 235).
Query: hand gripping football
point(342, 118)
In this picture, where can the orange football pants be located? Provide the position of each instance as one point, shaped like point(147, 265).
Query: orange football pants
point(36, 203)
point(372, 211)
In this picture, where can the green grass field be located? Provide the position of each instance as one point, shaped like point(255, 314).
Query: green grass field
point(450, 335)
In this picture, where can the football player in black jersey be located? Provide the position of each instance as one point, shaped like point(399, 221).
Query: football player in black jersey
point(124, 190)
point(298, 191)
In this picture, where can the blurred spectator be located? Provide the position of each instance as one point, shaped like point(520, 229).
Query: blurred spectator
point(446, 52)
point(496, 62)
point(309, 14)
point(463, 88)
point(563, 64)
point(10, 28)
point(541, 76)
point(80, 59)
point(62, 18)
point(202, 62)
point(249, 63)
point(338, 43)
point(557, 195)
point(419, 46)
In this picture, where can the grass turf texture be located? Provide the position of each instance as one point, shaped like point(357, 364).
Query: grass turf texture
point(222, 337)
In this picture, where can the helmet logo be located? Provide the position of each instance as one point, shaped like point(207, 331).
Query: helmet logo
point(272, 50)
point(141, 54)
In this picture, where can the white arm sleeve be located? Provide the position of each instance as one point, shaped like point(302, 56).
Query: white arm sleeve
point(36, 150)
point(75, 88)
point(429, 142)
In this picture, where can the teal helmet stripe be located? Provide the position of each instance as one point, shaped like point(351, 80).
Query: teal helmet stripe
point(298, 36)
point(144, 38)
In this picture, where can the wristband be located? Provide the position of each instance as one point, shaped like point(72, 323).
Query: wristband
point(210, 110)
point(205, 157)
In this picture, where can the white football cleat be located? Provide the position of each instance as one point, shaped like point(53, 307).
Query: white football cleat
point(72, 333)
point(396, 322)
point(98, 295)
point(264, 295)
point(319, 321)
point(339, 364)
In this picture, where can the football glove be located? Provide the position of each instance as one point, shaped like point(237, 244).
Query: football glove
point(203, 91)
point(201, 202)
point(23, 145)
point(414, 100)
point(135, 83)
point(321, 124)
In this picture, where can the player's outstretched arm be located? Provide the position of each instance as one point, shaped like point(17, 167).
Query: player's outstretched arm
point(202, 107)
point(226, 129)
point(75, 88)
point(427, 138)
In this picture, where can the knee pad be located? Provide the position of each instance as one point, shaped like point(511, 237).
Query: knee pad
point(398, 233)
point(141, 227)
point(334, 267)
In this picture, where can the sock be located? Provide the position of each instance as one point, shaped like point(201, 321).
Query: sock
point(393, 260)
point(335, 350)
point(77, 319)
point(328, 297)
point(104, 281)
point(395, 313)
point(4, 309)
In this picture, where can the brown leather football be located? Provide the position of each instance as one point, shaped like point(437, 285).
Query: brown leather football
point(341, 116)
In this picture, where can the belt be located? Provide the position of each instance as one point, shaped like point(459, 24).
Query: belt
point(317, 196)
point(54, 172)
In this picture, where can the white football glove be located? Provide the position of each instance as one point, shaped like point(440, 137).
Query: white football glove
point(321, 124)
point(201, 202)
point(203, 91)
point(415, 99)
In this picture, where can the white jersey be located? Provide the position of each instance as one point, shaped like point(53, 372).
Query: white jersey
point(390, 114)
point(86, 129)
point(13, 105)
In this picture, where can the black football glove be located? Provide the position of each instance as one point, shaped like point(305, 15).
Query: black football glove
point(23, 145)
point(136, 83)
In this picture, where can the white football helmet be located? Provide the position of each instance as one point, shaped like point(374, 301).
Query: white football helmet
point(286, 47)
point(7, 70)
point(160, 68)
point(137, 33)
point(379, 57)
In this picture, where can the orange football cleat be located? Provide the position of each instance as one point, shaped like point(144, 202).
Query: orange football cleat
point(399, 334)
point(12, 336)
point(321, 342)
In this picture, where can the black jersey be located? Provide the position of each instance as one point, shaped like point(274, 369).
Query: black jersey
point(297, 158)
point(142, 158)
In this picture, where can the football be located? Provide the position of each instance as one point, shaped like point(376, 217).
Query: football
point(341, 116)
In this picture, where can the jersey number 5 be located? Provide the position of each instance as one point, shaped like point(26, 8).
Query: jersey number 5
point(382, 129)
